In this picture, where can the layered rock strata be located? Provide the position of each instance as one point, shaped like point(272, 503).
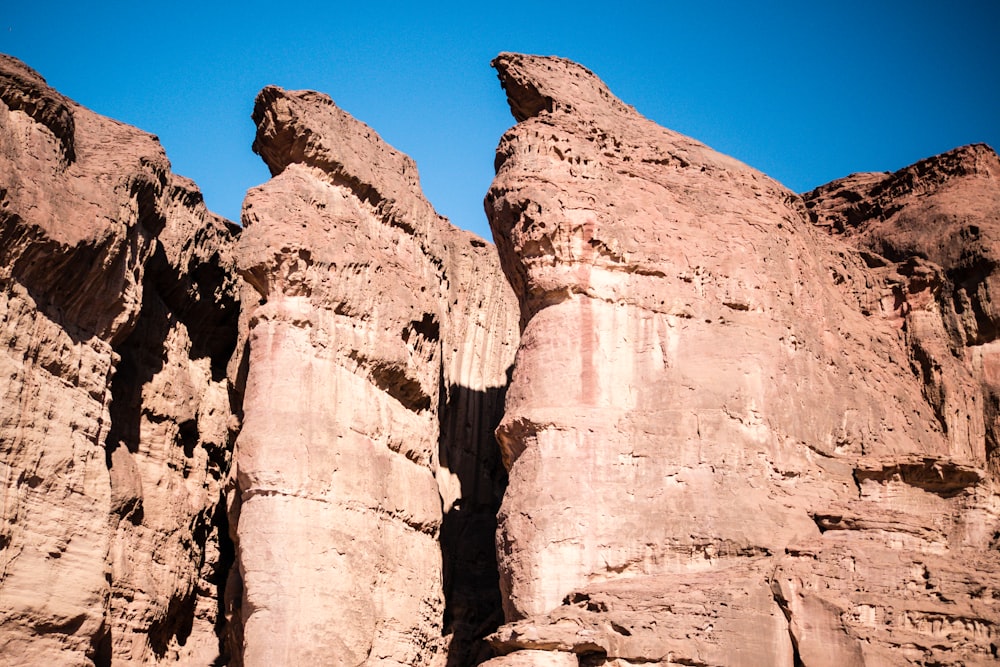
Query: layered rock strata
point(734, 439)
point(118, 315)
point(378, 348)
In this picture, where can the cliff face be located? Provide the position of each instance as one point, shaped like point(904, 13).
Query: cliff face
point(743, 426)
point(378, 349)
point(729, 441)
point(118, 315)
point(374, 347)
point(931, 233)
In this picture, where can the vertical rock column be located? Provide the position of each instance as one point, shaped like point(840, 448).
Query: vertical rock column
point(339, 476)
point(661, 285)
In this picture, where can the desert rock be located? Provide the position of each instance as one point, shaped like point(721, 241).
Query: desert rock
point(931, 233)
point(744, 426)
point(712, 393)
point(118, 317)
point(378, 351)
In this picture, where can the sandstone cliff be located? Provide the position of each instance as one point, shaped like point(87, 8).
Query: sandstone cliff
point(374, 348)
point(931, 233)
point(378, 345)
point(118, 315)
point(744, 426)
point(729, 442)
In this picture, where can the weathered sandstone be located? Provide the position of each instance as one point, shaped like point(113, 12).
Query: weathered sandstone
point(379, 342)
point(744, 427)
point(931, 233)
point(728, 442)
point(375, 353)
point(118, 315)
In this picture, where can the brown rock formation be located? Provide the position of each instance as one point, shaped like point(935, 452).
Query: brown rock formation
point(931, 232)
point(723, 447)
point(745, 427)
point(378, 354)
point(117, 318)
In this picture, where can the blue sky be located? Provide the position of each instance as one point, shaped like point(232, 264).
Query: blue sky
point(806, 92)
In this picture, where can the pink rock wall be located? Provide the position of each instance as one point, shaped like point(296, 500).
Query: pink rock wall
point(743, 426)
point(118, 318)
point(723, 448)
point(378, 354)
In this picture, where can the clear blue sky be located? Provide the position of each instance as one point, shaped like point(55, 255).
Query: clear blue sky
point(806, 92)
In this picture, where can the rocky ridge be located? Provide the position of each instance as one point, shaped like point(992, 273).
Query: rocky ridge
point(743, 426)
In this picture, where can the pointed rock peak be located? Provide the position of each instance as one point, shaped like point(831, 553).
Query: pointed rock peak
point(537, 84)
point(564, 92)
point(307, 127)
point(285, 121)
point(12, 67)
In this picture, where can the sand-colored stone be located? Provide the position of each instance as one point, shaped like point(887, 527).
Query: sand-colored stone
point(378, 351)
point(708, 384)
point(931, 233)
point(745, 427)
point(117, 316)
point(531, 658)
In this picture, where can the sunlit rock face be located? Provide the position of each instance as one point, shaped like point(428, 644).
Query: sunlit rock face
point(118, 315)
point(744, 426)
point(375, 347)
point(734, 438)
point(378, 346)
point(931, 233)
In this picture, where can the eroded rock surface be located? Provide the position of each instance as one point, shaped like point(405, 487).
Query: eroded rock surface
point(118, 315)
point(745, 427)
point(931, 233)
point(378, 350)
point(729, 442)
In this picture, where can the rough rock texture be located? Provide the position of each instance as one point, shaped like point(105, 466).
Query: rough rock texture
point(745, 427)
point(118, 314)
point(732, 438)
point(378, 348)
point(931, 233)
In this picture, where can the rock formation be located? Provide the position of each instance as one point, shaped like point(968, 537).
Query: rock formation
point(744, 426)
point(118, 315)
point(734, 439)
point(374, 349)
point(931, 233)
point(378, 350)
